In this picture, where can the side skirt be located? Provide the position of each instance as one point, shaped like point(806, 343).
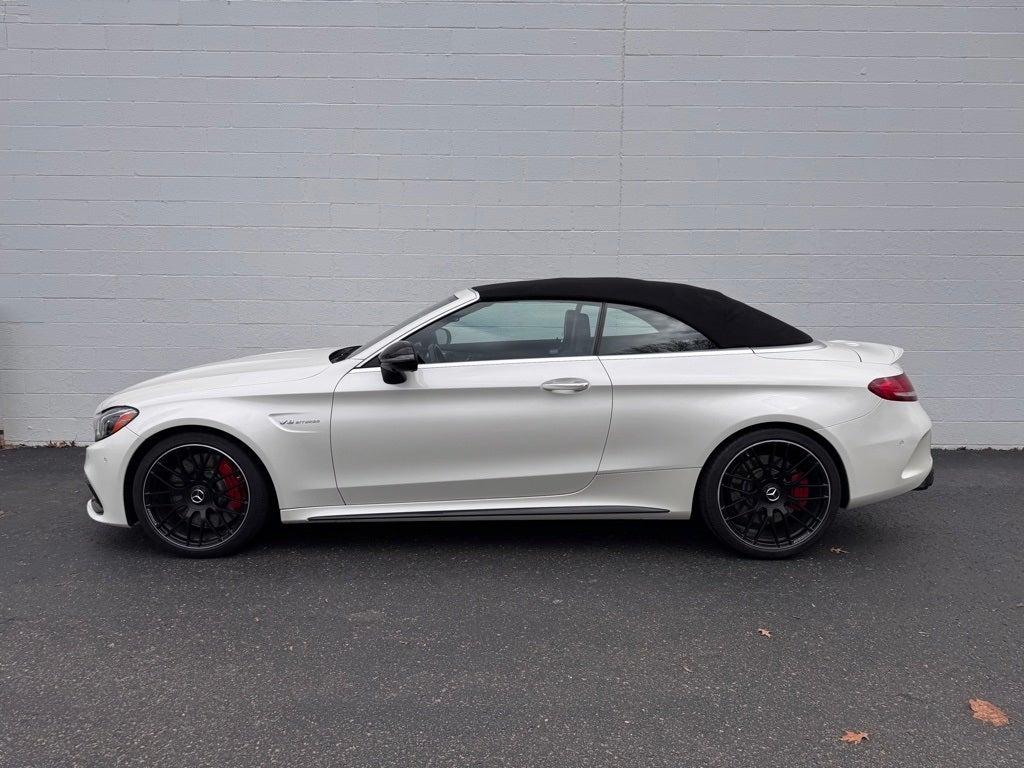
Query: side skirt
point(643, 494)
point(483, 513)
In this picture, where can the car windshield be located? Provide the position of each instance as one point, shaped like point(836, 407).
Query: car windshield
point(411, 319)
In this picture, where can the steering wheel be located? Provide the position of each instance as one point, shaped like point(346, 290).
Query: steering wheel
point(435, 354)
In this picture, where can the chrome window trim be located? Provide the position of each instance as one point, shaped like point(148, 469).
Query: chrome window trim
point(683, 353)
point(815, 344)
point(503, 361)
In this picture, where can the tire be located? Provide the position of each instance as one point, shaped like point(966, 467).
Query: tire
point(772, 493)
point(198, 494)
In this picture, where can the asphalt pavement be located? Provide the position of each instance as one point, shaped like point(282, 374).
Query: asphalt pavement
point(514, 644)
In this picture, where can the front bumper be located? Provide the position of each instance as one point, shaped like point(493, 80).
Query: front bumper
point(886, 453)
point(106, 464)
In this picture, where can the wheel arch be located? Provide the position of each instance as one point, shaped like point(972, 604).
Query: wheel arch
point(817, 437)
point(152, 439)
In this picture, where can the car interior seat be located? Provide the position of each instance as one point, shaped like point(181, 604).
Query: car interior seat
point(576, 336)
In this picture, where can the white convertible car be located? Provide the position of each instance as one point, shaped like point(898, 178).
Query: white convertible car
point(553, 399)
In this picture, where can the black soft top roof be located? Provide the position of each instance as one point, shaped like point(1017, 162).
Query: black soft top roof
point(725, 321)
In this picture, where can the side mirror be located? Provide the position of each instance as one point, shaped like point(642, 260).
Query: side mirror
point(395, 360)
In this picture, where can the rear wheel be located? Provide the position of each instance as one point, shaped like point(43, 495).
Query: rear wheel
point(200, 495)
point(770, 493)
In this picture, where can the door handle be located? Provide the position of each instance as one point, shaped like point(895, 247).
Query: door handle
point(565, 386)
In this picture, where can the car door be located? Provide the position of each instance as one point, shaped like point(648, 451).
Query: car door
point(509, 401)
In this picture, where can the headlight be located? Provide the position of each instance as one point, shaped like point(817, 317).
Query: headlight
point(111, 420)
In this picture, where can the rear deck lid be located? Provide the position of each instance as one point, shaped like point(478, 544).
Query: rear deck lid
point(838, 351)
point(869, 352)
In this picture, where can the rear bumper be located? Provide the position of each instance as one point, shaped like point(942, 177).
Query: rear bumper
point(886, 453)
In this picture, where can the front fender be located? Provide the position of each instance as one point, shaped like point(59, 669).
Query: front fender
point(289, 435)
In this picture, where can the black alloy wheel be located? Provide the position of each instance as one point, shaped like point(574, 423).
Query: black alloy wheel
point(771, 493)
point(199, 495)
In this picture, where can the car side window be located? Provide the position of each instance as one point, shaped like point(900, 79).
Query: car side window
point(638, 331)
point(510, 330)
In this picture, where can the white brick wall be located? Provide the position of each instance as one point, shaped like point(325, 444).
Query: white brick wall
point(187, 181)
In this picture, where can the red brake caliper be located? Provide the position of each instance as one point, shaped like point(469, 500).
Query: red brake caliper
point(233, 483)
point(800, 491)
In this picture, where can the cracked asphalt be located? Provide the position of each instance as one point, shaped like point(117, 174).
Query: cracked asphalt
point(514, 644)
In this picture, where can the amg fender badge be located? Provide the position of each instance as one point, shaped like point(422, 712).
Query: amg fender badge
point(295, 422)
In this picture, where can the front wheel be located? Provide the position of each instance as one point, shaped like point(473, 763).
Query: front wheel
point(770, 493)
point(200, 495)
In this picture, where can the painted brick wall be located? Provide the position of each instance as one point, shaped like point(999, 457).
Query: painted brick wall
point(188, 181)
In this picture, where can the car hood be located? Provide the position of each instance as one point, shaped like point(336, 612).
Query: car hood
point(271, 368)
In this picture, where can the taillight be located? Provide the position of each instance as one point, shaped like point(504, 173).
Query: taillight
point(894, 388)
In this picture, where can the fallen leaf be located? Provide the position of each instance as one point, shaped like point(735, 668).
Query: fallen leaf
point(764, 632)
point(853, 737)
point(988, 712)
point(838, 551)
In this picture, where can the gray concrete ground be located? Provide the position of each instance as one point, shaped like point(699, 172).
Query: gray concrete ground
point(514, 644)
